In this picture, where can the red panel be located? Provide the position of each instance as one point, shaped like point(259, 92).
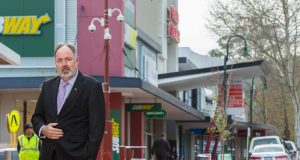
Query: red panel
point(90, 45)
point(96, 7)
point(174, 14)
point(173, 32)
point(235, 97)
point(90, 7)
point(116, 100)
point(136, 131)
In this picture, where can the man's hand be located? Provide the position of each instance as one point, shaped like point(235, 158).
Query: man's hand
point(52, 133)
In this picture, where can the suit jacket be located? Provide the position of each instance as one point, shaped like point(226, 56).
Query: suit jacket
point(81, 119)
point(161, 148)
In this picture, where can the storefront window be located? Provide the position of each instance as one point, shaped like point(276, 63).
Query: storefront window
point(129, 62)
point(185, 96)
point(198, 145)
point(148, 65)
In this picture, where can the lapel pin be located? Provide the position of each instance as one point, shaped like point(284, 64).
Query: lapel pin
point(75, 89)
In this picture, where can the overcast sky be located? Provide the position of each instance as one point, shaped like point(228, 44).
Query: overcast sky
point(192, 19)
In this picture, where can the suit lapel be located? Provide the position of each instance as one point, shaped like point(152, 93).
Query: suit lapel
point(73, 93)
point(54, 91)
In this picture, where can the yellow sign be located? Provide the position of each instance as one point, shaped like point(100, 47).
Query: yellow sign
point(13, 121)
point(115, 135)
point(26, 25)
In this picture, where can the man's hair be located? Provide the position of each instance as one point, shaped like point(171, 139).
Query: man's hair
point(71, 46)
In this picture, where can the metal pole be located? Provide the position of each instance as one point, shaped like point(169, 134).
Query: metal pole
point(251, 102)
point(106, 145)
point(106, 67)
point(24, 113)
point(250, 128)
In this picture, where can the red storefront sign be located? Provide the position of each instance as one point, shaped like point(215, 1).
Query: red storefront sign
point(173, 14)
point(173, 32)
point(234, 100)
point(235, 97)
point(173, 20)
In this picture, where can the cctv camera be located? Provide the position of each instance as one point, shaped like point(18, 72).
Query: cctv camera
point(107, 35)
point(92, 27)
point(120, 18)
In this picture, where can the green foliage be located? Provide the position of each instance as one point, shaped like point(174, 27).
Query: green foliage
point(220, 119)
point(216, 53)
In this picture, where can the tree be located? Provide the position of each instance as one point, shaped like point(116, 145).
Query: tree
point(216, 53)
point(274, 106)
point(271, 28)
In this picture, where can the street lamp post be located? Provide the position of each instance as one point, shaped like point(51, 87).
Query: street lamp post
point(106, 145)
point(251, 103)
point(245, 53)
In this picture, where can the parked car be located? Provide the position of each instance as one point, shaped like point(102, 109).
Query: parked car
point(269, 152)
point(264, 140)
point(291, 147)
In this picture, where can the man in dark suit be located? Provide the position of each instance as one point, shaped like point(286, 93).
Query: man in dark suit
point(69, 115)
point(161, 148)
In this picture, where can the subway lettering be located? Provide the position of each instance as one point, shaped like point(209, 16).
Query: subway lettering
point(22, 25)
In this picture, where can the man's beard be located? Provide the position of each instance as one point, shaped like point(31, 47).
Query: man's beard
point(66, 73)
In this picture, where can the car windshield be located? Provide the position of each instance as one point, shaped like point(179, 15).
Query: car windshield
point(289, 146)
point(265, 141)
point(268, 149)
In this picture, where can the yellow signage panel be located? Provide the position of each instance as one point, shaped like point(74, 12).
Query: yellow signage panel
point(13, 121)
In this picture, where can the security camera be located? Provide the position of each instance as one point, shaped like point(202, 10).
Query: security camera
point(120, 18)
point(107, 35)
point(92, 28)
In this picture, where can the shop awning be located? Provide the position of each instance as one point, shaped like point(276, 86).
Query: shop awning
point(134, 90)
point(233, 125)
point(8, 56)
point(270, 129)
point(212, 76)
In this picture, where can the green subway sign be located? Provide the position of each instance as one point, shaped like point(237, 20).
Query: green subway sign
point(116, 119)
point(22, 25)
point(155, 114)
point(142, 107)
point(27, 27)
